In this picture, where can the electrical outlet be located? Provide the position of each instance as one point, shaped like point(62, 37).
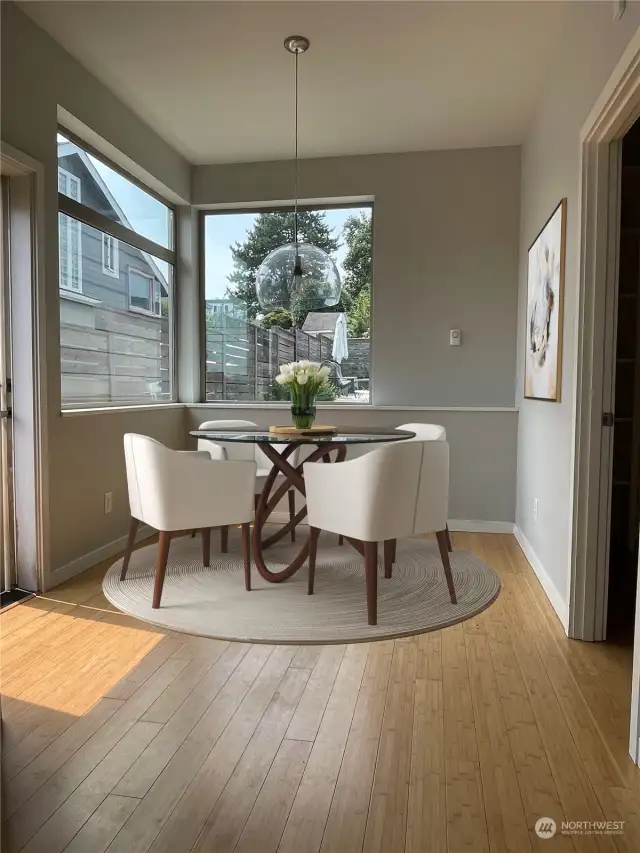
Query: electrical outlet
point(108, 502)
point(535, 509)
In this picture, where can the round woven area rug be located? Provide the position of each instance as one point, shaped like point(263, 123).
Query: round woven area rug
point(212, 602)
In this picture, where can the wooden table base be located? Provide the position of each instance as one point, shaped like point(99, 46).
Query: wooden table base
point(293, 478)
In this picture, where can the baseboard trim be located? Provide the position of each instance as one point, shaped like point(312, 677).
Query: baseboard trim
point(464, 525)
point(458, 525)
point(87, 561)
point(551, 590)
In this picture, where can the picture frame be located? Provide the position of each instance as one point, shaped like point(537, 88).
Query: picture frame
point(545, 309)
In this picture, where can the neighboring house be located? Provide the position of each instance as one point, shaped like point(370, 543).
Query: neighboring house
point(97, 265)
point(321, 323)
point(113, 299)
point(229, 307)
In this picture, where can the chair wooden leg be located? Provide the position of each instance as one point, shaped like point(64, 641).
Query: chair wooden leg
point(256, 501)
point(292, 512)
point(314, 533)
point(206, 547)
point(246, 553)
point(389, 556)
point(444, 554)
point(340, 539)
point(161, 566)
point(131, 541)
point(371, 577)
point(224, 539)
point(449, 545)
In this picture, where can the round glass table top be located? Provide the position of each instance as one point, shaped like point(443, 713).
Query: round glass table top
point(344, 435)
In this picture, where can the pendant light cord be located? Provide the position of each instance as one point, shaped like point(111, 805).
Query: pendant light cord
point(297, 172)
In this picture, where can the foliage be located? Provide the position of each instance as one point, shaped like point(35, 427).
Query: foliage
point(269, 231)
point(358, 261)
point(272, 230)
point(279, 317)
point(359, 317)
point(327, 392)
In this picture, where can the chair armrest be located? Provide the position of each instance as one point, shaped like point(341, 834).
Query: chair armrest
point(213, 450)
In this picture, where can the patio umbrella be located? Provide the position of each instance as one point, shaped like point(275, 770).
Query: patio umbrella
point(340, 349)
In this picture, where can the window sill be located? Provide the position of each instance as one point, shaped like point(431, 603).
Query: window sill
point(107, 410)
point(78, 297)
point(144, 313)
point(362, 407)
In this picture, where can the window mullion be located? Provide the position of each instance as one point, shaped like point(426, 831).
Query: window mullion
point(85, 214)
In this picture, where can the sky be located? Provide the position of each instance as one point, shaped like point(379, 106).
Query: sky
point(224, 229)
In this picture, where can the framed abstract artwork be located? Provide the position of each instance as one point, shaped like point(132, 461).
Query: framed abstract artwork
point(545, 296)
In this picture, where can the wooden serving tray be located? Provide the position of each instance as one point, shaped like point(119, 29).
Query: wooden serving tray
point(316, 429)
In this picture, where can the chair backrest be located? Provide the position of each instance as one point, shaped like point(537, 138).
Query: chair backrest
point(148, 477)
point(426, 432)
point(432, 502)
point(234, 450)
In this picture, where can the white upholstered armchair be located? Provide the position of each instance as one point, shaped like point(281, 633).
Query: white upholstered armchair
point(429, 432)
point(173, 490)
point(237, 450)
point(399, 490)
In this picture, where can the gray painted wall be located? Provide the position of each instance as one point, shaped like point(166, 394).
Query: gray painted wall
point(85, 453)
point(445, 252)
point(587, 53)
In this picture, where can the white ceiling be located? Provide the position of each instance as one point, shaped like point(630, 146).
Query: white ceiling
point(215, 81)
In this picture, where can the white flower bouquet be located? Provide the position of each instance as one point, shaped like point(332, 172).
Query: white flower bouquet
point(303, 379)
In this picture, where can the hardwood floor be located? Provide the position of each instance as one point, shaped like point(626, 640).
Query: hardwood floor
point(125, 738)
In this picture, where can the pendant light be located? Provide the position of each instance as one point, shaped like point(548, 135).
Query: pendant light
point(297, 275)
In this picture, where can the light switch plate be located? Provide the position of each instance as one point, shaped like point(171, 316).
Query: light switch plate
point(455, 338)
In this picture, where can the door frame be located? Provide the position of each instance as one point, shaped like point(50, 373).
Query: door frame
point(28, 357)
point(599, 203)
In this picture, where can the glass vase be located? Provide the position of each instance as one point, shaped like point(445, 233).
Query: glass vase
point(303, 409)
point(303, 416)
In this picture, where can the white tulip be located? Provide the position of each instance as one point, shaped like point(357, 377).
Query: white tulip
point(282, 379)
point(313, 368)
point(285, 368)
point(302, 378)
point(324, 372)
point(304, 364)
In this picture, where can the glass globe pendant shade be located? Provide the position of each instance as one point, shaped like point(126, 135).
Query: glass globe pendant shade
point(301, 277)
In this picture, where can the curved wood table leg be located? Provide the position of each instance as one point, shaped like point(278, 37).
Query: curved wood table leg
point(293, 478)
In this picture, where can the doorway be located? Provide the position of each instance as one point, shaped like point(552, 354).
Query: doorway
point(625, 485)
point(8, 578)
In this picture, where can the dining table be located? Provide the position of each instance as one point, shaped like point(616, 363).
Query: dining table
point(330, 447)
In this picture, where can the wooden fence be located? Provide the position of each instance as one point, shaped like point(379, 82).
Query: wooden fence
point(243, 359)
point(112, 355)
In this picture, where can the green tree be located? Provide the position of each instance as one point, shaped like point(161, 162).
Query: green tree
point(359, 316)
point(358, 260)
point(278, 317)
point(268, 232)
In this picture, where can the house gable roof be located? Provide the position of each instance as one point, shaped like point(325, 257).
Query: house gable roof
point(104, 189)
point(321, 321)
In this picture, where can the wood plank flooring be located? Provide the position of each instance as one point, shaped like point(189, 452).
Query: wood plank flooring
point(122, 738)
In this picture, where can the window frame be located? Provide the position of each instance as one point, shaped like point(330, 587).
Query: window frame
point(85, 215)
point(204, 212)
point(113, 271)
point(69, 226)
